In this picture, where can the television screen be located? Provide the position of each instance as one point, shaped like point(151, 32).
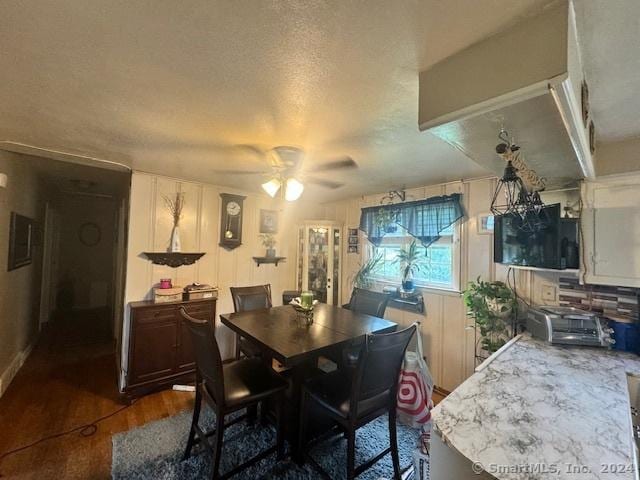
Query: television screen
point(553, 245)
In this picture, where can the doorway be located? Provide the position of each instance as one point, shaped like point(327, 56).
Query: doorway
point(83, 241)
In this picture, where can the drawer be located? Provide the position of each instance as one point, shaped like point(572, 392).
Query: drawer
point(154, 314)
point(201, 311)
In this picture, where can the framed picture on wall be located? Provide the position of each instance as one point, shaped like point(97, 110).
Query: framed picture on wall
point(353, 249)
point(268, 221)
point(485, 223)
point(353, 232)
point(21, 238)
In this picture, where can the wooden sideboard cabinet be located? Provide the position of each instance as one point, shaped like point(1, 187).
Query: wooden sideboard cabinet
point(160, 352)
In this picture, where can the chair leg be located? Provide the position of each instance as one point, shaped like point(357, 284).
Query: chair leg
point(280, 426)
point(237, 346)
point(302, 427)
point(218, 446)
point(351, 454)
point(194, 421)
point(393, 440)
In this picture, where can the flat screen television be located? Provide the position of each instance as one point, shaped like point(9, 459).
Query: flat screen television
point(553, 246)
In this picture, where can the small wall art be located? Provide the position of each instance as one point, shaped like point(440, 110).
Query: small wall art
point(268, 221)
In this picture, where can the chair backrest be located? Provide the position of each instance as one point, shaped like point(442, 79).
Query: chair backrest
point(379, 365)
point(368, 302)
point(251, 298)
point(207, 352)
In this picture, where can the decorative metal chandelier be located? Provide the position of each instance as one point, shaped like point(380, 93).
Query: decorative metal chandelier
point(512, 196)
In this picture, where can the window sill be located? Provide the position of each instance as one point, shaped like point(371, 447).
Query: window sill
point(451, 292)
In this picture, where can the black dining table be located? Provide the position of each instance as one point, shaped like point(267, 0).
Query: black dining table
point(284, 335)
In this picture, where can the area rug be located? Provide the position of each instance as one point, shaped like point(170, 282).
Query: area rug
point(154, 451)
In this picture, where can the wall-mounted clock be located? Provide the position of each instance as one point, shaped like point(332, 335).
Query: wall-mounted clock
point(231, 220)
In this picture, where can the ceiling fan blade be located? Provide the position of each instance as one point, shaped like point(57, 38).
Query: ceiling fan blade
point(324, 183)
point(241, 172)
point(341, 164)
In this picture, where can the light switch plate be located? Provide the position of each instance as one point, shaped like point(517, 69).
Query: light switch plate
point(549, 292)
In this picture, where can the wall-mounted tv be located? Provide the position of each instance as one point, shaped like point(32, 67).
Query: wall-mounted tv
point(553, 246)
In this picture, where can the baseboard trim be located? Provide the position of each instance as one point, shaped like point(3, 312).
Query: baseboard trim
point(14, 367)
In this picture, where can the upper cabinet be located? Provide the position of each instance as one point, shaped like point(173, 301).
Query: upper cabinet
point(527, 79)
point(611, 230)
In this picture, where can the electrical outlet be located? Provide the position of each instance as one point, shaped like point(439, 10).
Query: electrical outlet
point(549, 292)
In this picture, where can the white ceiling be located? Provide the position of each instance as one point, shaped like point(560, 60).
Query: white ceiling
point(178, 87)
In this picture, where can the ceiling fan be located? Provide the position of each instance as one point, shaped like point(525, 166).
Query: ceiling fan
point(286, 171)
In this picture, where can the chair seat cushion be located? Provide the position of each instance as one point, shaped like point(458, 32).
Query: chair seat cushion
point(333, 391)
point(249, 380)
point(249, 348)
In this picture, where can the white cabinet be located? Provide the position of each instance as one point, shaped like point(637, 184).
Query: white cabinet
point(611, 231)
point(319, 260)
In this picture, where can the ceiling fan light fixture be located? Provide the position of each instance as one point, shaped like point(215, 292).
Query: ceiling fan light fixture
point(271, 187)
point(293, 190)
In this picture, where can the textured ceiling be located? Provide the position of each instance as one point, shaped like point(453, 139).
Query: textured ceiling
point(180, 87)
point(609, 36)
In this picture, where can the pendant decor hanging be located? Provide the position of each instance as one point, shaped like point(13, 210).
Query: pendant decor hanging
point(512, 195)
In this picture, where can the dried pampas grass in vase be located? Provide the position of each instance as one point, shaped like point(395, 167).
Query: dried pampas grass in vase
point(175, 207)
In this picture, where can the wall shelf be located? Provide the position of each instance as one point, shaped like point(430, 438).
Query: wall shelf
point(414, 304)
point(173, 259)
point(274, 260)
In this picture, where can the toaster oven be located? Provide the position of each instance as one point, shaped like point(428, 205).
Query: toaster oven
point(568, 326)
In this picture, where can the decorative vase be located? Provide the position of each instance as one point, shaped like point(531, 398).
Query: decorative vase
point(271, 252)
point(175, 246)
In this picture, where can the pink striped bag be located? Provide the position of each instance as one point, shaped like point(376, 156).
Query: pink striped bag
point(415, 389)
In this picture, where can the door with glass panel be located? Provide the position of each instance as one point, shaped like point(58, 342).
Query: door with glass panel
point(319, 252)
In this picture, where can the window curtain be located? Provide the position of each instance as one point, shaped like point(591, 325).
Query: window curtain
point(422, 219)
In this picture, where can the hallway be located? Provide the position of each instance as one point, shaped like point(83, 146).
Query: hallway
point(66, 383)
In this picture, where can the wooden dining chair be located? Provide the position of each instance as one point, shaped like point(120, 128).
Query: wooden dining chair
point(245, 299)
point(228, 388)
point(357, 399)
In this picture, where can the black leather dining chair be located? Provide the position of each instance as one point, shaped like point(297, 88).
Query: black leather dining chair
point(228, 388)
point(355, 400)
point(366, 301)
point(369, 303)
point(245, 299)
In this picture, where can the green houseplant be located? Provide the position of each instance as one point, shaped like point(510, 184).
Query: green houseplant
point(362, 278)
point(386, 220)
point(492, 305)
point(411, 261)
point(268, 242)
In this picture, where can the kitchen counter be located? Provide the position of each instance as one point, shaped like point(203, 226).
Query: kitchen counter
point(540, 411)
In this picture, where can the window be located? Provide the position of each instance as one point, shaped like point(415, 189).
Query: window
point(440, 267)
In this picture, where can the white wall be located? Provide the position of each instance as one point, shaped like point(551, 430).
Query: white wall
point(150, 229)
point(20, 288)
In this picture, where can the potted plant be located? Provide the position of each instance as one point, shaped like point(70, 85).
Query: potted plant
point(386, 220)
point(411, 262)
point(268, 242)
point(492, 305)
point(363, 277)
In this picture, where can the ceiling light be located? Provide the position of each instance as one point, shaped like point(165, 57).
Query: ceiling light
point(294, 190)
point(271, 187)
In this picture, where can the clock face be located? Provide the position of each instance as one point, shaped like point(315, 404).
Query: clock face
point(233, 208)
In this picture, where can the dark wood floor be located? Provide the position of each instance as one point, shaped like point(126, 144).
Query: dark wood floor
point(64, 386)
point(61, 387)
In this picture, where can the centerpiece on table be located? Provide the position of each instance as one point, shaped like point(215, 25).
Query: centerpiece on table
point(304, 305)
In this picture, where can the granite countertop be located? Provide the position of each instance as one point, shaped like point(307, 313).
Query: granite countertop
point(548, 407)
